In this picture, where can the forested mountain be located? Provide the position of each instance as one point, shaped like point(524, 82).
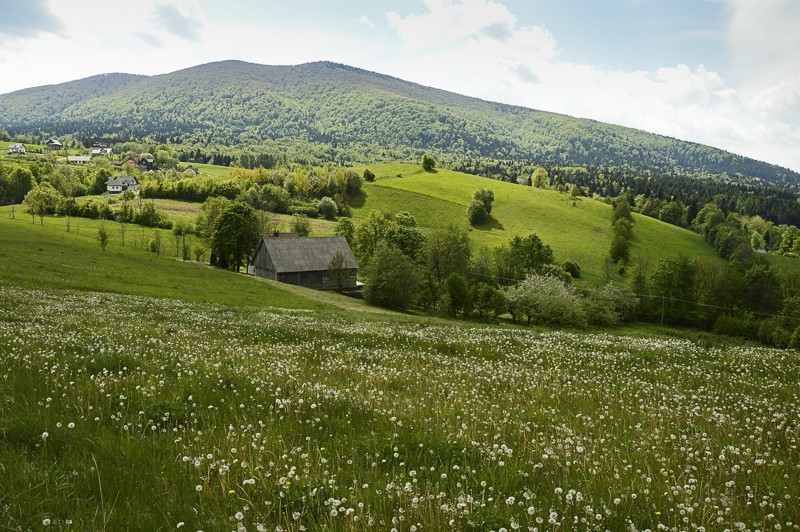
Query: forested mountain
point(321, 112)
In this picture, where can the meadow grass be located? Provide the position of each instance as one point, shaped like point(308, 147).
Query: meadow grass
point(49, 256)
point(211, 170)
point(125, 412)
point(576, 230)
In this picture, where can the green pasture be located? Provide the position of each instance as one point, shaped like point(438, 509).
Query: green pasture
point(49, 256)
point(578, 230)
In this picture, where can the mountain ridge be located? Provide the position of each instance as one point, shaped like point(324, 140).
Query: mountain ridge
point(354, 115)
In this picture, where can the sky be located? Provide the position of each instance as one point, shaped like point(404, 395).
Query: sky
point(720, 72)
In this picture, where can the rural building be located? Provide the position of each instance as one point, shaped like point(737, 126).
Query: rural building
point(304, 261)
point(142, 164)
point(102, 152)
point(16, 147)
point(78, 159)
point(54, 144)
point(191, 171)
point(120, 183)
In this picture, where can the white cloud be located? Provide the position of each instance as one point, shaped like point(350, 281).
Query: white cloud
point(764, 39)
point(171, 18)
point(449, 22)
point(456, 45)
point(28, 19)
point(363, 19)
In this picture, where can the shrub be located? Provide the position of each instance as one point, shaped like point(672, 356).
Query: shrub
point(794, 341)
point(554, 270)
point(572, 268)
point(369, 176)
point(597, 308)
point(300, 225)
point(546, 300)
point(476, 212)
point(485, 196)
point(728, 325)
point(327, 208)
point(309, 211)
point(622, 300)
point(620, 249)
point(428, 163)
point(771, 332)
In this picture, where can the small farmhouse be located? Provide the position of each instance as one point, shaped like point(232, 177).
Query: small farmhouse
point(142, 164)
point(305, 261)
point(78, 159)
point(120, 183)
point(16, 147)
point(54, 144)
point(102, 152)
point(191, 171)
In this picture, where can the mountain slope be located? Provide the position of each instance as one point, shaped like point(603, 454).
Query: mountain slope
point(348, 114)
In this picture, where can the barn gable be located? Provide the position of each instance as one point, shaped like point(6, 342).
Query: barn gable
point(304, 261)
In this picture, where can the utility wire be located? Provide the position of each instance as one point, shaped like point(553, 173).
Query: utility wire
point(674, 299)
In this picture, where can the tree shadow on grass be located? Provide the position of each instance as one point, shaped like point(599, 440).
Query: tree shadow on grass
point(359, 199)
point(492, 224)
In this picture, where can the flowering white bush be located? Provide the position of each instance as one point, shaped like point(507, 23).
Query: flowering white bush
point(545, 299)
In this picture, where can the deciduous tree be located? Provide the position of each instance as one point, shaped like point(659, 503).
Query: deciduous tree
point(41, 200)
point(236, 232)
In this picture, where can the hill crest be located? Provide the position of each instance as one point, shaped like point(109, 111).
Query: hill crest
point(353, 115)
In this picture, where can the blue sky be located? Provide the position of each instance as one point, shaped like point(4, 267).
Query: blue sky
point(719, 72)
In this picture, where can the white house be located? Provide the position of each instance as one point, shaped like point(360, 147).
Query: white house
point(16, 147)
point(120, 183)
point(78, 159)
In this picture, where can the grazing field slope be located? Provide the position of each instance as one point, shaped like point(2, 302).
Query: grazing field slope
point(47, 256)
point(577, 230)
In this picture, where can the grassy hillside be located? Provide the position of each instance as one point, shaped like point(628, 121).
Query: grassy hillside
point(36, 256)
point(325, 111)
point(580, 232)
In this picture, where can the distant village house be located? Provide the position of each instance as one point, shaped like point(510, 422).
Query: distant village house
point(78, 159)
point(142, 164)
point(101, 150)
point(16, 148)
point(305, 261)
point(120, 183)
point(191, 171)
point(54, 144)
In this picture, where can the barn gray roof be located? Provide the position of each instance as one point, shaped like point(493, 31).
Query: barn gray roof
point(307, 254)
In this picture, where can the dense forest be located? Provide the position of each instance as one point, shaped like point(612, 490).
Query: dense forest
point(319, 113)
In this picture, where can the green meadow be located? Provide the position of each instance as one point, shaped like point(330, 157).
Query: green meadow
point(138, 391)
point(123, 412)
point(50, 256)
point(577, 230)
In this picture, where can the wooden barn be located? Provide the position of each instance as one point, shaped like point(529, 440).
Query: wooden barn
point(305, 261)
